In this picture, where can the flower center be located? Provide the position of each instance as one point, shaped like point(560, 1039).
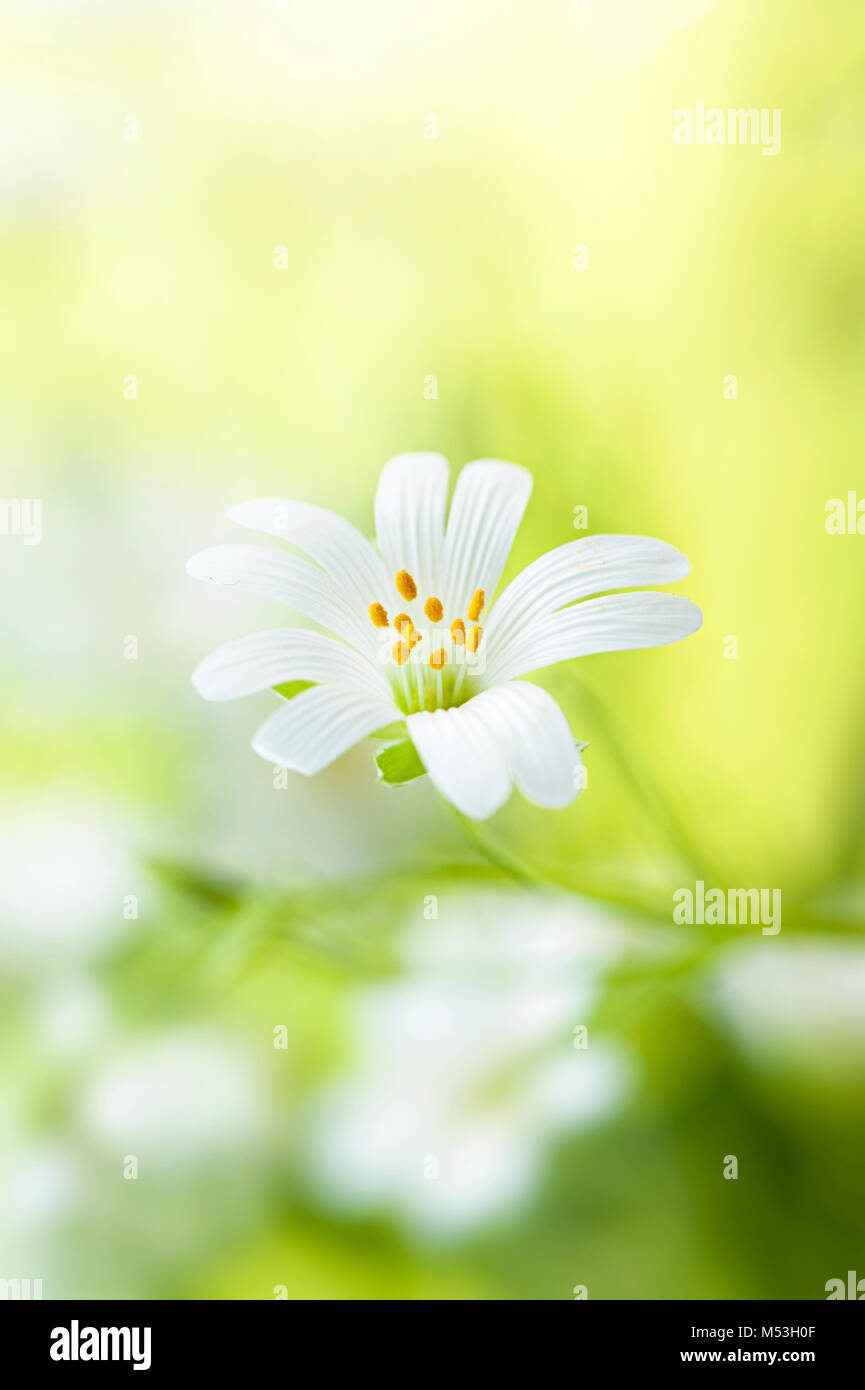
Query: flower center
point(439, 681)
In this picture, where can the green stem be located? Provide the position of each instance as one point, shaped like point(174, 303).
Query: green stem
point(483, 845)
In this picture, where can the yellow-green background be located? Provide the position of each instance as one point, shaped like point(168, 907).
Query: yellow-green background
point(303, 126)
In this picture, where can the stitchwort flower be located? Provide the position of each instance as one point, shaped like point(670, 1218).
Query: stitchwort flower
point(417, 648)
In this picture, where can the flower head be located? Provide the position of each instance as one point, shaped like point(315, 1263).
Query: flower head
point(448, 662)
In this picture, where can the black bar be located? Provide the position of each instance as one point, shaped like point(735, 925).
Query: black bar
point(225, 1338)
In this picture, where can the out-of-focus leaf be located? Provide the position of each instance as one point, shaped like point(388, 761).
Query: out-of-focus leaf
point(210, 887)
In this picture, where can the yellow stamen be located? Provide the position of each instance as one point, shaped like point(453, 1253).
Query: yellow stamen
point(400, 653)
point(404, 625)
point(473, 640)
point(476, 607)
point(458, 632)
point(414, 638)
point(438, 659)
point(378, 614)
point(434, 609)
point(406, 586)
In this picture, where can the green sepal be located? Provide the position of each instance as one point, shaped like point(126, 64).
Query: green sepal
point(289, 689)
point(399, 763)
point(394, 732)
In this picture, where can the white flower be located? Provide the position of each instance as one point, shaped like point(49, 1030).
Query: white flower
point(408, 643)
point(64, 873)
point(794, 1006)
point(465, 1071)
point(176, 1100)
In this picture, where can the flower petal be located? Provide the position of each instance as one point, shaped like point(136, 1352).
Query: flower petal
point(617, 622)
point(410, 518)
point(265, 659)
point(277, 574)
point(591, 565)
point(461, 758)
point(347, 556)
point(514, 733)
point(489, 500)
point(533, 735)
point(312, 730)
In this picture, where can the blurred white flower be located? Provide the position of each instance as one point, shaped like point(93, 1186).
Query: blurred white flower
point(794, 1004)
point(37, 1186)
point(72, 1015)
point(177, 1100)
point(466, 1069)
point(64, 874)
point(411, 645)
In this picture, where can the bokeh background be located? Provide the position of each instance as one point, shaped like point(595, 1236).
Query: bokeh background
point(330, 1092)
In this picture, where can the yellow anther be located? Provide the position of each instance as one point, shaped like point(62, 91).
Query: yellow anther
point(476, 607)
point(404, 625)
point(438, 659)
point(400, 653)
point(406, 586)
point(458, 632)
point(414, 638)
point(434, 610)
point(473, 639)
point(378, 614)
